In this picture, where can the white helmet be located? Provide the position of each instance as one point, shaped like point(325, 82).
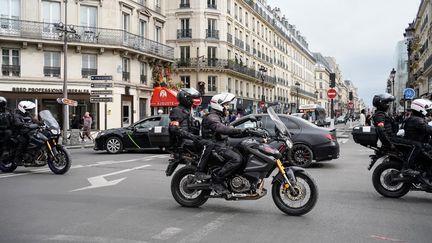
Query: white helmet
point(26, 105)
point(422, 106)
point(218, 101)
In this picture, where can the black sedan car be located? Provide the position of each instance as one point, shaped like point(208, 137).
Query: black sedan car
point(151, 132)
point(310, 141)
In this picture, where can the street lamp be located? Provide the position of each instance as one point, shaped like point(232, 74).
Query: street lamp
point(392, 78)
point(263, 70)
point(298, 87)
point(65, 30)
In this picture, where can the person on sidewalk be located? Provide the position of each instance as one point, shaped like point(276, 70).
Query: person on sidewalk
point(363, 117)
point(87, 122)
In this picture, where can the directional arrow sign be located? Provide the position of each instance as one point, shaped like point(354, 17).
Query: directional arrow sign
point(100, 181)
point(101, 85)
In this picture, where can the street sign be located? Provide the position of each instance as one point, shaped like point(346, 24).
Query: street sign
point(65, 101)
point(331, 93)
point(100, 99)
point(197, 101)
point(101, 85)
point(409, 93)
point(350, 105)
point(98, 77)
point(101, 92)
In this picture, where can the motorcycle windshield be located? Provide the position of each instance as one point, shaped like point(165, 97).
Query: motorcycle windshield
point(48, 119)
point(279, 124)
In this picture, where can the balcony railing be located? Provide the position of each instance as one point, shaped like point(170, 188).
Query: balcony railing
point(239, 43)
point(126, 76)
point(85, 72)
point(11, 70)
point(47, 31)
point(229, 38)
point(302, 92)
point(184, 33)
point(51, 71)
point(214, 34)
point(224, 64)
point(184, 5)
point(213, 6)
point(143, 79)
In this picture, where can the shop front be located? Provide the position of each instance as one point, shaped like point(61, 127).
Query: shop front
point(163, 99)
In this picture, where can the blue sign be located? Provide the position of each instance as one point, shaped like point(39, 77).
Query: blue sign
point(409, 93)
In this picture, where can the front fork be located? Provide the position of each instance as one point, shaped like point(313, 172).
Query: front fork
point(288, 175)
point(52, 149)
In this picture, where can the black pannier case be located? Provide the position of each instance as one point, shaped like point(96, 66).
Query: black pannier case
point(365, 136)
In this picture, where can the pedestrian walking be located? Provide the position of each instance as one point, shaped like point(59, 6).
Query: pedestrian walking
point(87, 122)
point(363, 118)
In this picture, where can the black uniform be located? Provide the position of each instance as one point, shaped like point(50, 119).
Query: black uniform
point(214, 128)
point(21, 131)
point(419, 133)
point(6, 122)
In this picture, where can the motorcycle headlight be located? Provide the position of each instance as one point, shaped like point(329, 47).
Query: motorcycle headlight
point(289, 143)
point(55, 131)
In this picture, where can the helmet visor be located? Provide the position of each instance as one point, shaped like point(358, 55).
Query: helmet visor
point(192, 92)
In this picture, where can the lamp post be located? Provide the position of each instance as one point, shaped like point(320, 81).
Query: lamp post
point(298, 87)
point(65, 30)
point(263, 70)
point(392, 78)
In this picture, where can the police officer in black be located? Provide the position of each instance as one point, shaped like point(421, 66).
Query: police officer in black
point(23, 118)
point(6, 121)
point(214, 128)
point(418, 132)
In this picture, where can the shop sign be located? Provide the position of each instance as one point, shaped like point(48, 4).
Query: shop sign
point(100, 99)
point(48, 90)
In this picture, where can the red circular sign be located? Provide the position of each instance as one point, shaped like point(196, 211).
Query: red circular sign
point(197, 101)
point(331, 93)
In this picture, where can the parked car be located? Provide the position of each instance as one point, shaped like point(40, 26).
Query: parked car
point(340, 119)
point(310, 141)
point(151, 132)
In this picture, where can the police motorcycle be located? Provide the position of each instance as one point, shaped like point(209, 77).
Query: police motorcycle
point(386, 177)
point(43, 148)
point(294, 191)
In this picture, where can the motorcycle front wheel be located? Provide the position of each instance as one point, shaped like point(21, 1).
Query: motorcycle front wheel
point(61, 163)
point(184, 196)
point(383, 183)
point(299, 202)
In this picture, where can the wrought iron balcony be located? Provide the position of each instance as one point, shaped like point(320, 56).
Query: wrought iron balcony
point(214, 34)
point(229, 38)
point(126, 76)
point(85, 72)
point(185, 62)
point(184, 33)
point(11, 70)
point(239, 43)
point(102, 36)
point(302, 92)
point(51, 71)
point(143, 79)
point(247, 48)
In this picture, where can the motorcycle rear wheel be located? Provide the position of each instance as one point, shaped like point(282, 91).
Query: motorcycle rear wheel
point(306, 188)
point(381, 180)
point(183, 196)
point(7, 166)
point(62, 163)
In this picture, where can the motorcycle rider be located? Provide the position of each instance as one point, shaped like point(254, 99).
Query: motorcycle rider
point(214, 128)
point(6, 121)
point(418, 132)
point(22, 119)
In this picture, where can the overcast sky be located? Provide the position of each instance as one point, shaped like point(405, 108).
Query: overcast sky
point(361, 35)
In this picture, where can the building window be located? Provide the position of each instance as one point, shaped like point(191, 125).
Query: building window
point(240, 15)
point(51, 15)
point(211, 4)
point(320, 76)
point(184, 56)
point(235, 11)
point(10, 62)
point(185, 31)
point(229, 6)
point(321, 85)
point(211, 84)
point(89, 66)
point(229, 85)
point(125, 26)
point(143, 73)
point(236, 87)
point(158, 32)
point(126, 69)
point(211, 56)
point(143, 29)
point(212, 31)
point(186, 81)
point(51, 64)
point(184, 4)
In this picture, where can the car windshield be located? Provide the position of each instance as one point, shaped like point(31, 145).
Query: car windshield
point(48, 119)
point(279, 124)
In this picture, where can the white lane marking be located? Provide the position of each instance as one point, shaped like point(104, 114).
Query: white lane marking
point(203, 214)
point(100, 181)
point(74, 238)
point(99, 163)
point(167, 233)
point(343, 140)
point(199, 235)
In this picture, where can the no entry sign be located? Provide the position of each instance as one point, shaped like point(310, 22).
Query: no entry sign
point(331, 93)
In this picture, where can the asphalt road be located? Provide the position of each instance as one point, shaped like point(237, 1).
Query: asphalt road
point(38, 206)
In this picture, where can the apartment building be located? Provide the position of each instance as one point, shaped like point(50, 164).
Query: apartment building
point(322, 81)
point(121, 38)
point(240, 46)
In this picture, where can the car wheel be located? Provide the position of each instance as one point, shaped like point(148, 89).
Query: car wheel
point(114, 145)
point(301, 155)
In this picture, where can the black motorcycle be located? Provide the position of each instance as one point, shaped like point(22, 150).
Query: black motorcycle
point(43, 148)
point(387, 178)
point(294, 191)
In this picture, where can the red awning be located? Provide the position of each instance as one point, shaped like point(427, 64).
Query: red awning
point(163, 97)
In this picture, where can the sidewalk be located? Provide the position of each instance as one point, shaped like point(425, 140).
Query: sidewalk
point(86, 144)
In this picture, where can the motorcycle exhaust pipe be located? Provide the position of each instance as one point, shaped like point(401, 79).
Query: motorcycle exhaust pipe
point(401, 179)
point(199, 186)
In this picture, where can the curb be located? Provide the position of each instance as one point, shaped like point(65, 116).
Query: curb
point(80, 146)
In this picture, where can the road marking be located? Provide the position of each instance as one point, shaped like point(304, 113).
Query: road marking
point(203, 214)
point(197, 236)
point(100, 181)
point(99, 163)
point(343, 140)
point(167, 233)
point(385, 238)
point(73, 238)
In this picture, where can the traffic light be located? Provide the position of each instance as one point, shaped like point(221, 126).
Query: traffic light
point(332, 80)
point(350, 95)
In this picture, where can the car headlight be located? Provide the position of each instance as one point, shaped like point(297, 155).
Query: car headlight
point(55, 131)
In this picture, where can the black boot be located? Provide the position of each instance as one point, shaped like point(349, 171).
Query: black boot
point(200, 176)
point(218, 184)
